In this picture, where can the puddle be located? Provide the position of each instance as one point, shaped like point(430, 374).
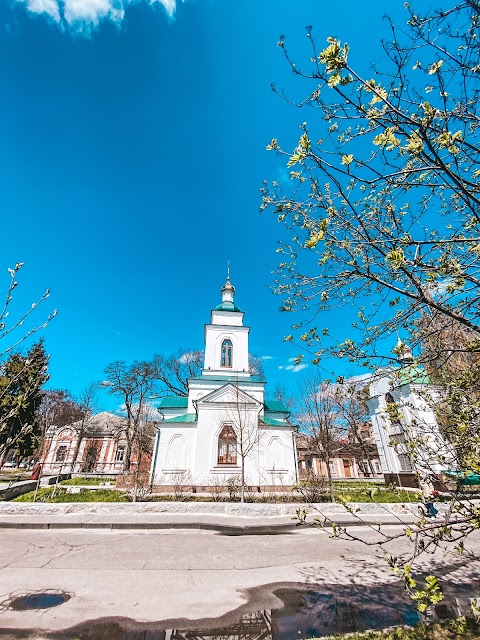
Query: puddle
point(39, 600)
point(294, 613)
point(299, 614)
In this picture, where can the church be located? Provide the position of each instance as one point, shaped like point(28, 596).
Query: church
point(407, 388)
point(225, 427)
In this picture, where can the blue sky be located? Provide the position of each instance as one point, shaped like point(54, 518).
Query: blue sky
point(132, 153)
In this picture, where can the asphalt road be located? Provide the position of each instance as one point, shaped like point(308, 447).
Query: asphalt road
point(139, 582)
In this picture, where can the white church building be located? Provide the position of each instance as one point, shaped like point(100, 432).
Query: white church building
point(407, 388)
point(225, 424)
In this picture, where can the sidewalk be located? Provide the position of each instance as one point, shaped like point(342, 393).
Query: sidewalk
point(230, 519)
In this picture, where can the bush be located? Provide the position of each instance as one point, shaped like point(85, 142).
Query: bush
point(313, 489)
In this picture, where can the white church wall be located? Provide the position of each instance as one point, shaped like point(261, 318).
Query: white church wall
point(215, 336)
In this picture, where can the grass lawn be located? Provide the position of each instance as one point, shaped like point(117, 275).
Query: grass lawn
point(99, 495)
point(90, 480)
point(382, 496)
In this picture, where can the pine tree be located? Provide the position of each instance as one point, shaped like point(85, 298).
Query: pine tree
point(21, 380)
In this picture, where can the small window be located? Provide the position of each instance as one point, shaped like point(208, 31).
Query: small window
point(227, 446)
point(405, 464)
point(120, 452)
point(61, 453)
point(227, 350)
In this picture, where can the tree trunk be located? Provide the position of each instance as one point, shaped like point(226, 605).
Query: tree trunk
point(242, 490)
point(330, 480)
point(81, 434)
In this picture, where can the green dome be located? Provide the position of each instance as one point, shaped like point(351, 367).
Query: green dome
point(412, 375)
point(227, 306)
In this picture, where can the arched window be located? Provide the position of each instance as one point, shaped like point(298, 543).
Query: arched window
point(90, 460)
point(392, 409)
point(227, 351)
point(227, 446)
point(61, 453)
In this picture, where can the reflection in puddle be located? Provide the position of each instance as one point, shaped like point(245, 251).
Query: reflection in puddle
point(38, 600)
point(314, 614)
point(304, 614)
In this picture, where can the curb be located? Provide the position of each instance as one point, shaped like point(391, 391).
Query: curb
point(227, 529)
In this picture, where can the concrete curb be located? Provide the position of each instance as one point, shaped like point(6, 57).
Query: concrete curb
point(155, 526)
point(229, 519)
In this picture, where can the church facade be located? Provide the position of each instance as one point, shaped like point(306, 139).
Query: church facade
point(225, 427)
point(407, 389)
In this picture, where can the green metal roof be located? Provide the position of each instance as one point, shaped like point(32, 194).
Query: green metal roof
point(188, 417)
point(227, 306)
point(275, 405)
point(412, 375)
point(239, 379)
point(273, 423)
point(173, 402)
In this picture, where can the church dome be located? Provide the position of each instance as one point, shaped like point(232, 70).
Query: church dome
point(228, 295)
point(227, 306)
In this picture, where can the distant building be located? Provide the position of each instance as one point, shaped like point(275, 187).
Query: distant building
point(407, 388)
point(350, 461)
point(225, 421)
point(100, 449)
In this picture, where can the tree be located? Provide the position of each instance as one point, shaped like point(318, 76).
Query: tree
point(384, 207)
point(350, 400)
point(319, 419)
point(143, 442)
point(18, 373)
point(57, 408)
point(86, 409)
point(135, 385)
point(12, 330)
point(240, 434)
point(382, 215)
point(21, 379)
point(174, 370)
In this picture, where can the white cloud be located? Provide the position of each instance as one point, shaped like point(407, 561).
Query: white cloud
point(295, 368)
point(49, 7)
point(266, 358)
point(82, 15)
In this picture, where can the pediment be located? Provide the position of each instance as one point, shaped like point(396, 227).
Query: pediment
point(228, 394)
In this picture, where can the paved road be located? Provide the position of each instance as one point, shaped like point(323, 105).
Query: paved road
point(182, 579)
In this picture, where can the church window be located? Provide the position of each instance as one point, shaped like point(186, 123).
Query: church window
point(227, 351)
point(394, 414)
point(227, 446)
point(61, 453)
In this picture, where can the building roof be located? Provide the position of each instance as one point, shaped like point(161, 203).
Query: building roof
point(188, 417)
point(238, 379)
point(103, 423)
point(173, 402)
point(271, 422)
point(276, 405)
point(227, 306)
point(412, 375)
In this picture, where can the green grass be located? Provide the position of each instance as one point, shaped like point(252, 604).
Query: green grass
point(99, 495)
point(91, 480)
point(382, 496)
